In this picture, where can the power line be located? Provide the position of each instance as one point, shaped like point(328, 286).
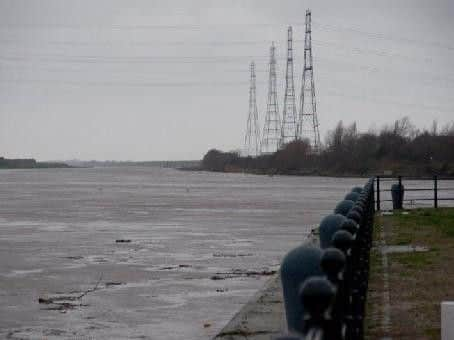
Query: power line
point(127, 84)
point(382, 36)
point(328, 92)
point(210, 26)
point(153, 60)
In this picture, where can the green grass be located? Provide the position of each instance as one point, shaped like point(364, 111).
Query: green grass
point(412, 276)
point(442, 219)
point(414, 260)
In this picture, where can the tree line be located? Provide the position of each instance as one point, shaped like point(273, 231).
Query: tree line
point(398, 148)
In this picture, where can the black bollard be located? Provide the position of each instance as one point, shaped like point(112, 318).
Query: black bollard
point(352, 196)
point(351, 226)
point(343, 240)
point(359, 208)
point(357, 189)
point(298, 265)
point(355, 216)
point(328, 226)
point(333, 264)
point(317, 295)
point(343, 207)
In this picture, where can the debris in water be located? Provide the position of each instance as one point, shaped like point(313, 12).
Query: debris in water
point(222, 290)
point(110, 284)
point(66, 302)
point(123, 241)
point(241, 273)
point(74, 257)
point(217, 277)
point(232, 255)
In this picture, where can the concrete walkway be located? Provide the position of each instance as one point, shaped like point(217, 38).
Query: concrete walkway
point(261, 318)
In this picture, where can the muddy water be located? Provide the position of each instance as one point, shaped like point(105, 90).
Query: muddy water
point(196, 248)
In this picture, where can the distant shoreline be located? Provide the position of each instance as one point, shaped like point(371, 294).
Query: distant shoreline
point(296, 173)
point(29, 163)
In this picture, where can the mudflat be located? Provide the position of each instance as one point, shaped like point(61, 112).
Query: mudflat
point(144, 252)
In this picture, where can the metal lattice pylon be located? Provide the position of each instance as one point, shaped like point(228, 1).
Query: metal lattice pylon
point(289, 114)
point(272, 126)
point(308, 121)
point(252, 138)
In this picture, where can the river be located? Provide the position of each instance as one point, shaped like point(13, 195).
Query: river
point(155, 253)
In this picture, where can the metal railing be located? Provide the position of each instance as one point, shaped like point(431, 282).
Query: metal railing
point(432, 193)
point(325, 288)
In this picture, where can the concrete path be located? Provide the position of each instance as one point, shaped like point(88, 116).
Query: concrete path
point(262, 318)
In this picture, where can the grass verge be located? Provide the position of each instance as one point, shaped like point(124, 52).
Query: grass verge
point(418, 281)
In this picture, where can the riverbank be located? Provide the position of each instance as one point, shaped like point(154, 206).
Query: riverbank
point(411, 273)
point(29, 163)
point(298, 163)
point(274, 172)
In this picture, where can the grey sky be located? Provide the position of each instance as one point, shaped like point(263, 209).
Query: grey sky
point(149, 80)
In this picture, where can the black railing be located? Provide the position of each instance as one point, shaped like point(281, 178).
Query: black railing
point(407, 185)
point(325, 288)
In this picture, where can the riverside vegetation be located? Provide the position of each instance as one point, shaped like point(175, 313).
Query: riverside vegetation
point(397, 148)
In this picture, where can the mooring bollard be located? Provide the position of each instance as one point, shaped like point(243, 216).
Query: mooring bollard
point(328, 226)
point(317, 295)
point(298, 265)
point(351, 226)
point(352, 196)
point(332, 306)
point(343, 207)
point(355, 216)
point(357, 189)
point(343, 240)
point(333, 264)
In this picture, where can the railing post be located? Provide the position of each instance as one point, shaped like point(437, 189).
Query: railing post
point(435, 192)
point(378, 193)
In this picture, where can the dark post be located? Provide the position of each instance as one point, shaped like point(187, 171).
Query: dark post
point(317, 295)
point(435, 192)
point(297, 266)
point(397, 193)
point(378, 193)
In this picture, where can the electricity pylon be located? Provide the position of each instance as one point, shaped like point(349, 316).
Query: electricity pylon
point(308, 121)
point(289, 114)
point(252, 138)
point(272, 126)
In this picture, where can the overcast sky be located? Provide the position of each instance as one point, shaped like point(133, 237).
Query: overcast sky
point(152, 80)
